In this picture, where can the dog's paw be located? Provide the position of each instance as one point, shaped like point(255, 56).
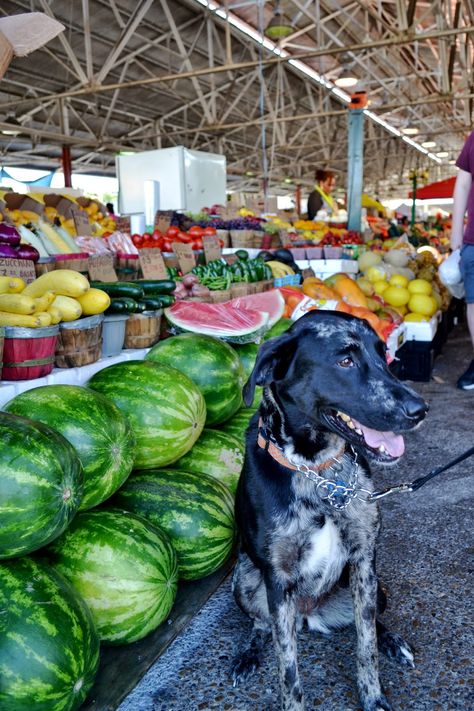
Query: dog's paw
point(378, 704)
point(244, 666)
point(394, 646)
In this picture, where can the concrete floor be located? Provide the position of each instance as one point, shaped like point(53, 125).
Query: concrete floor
point(425, 559)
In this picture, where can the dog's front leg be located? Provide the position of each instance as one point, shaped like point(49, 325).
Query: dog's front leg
point(364, 592)
point(282, 606)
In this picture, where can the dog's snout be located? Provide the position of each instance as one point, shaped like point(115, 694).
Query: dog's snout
point(415, 408)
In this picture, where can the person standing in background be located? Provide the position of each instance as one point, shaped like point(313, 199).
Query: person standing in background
point(320, 197)
point(463, 239)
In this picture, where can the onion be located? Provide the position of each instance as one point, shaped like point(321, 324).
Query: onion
point(199, 290)
point(189, 280)
point(27, 251)
point(9, 235)
point(7, 252)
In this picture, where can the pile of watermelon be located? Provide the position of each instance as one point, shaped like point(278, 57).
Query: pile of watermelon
point(120, 489)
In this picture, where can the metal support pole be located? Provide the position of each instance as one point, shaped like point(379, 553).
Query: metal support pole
point(413, 205)
point(355, 169)
point(298, 200)
point(67, 166)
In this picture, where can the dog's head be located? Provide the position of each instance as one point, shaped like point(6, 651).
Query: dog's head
point(329, 370)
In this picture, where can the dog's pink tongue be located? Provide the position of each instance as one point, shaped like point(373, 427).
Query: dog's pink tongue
point(394, 444)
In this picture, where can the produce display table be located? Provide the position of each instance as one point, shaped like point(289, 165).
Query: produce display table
point(66, 376)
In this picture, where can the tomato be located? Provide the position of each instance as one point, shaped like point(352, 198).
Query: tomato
point(197, 243)
point(196, 231)
point(167, 245)
point(172, 231)
point(137, 240)
point(156, 236)
point(221, 242)
point(209, 231)
point(183, 237)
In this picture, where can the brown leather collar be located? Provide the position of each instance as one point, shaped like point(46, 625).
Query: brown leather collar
point(278, 456)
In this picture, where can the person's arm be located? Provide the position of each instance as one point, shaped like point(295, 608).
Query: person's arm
point(315, 202)
point(460, 198)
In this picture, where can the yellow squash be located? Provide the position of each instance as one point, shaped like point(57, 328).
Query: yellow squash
point(65, 282)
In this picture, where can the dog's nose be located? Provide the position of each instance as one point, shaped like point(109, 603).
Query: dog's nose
point(415, 408)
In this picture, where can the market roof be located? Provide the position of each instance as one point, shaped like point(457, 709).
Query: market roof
point(128, 75)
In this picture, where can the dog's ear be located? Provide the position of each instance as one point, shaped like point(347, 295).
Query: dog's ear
point(273, 360)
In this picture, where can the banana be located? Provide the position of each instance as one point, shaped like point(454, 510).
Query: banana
point(279, 269)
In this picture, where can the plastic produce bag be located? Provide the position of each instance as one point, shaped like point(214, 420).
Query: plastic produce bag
point(450, 274)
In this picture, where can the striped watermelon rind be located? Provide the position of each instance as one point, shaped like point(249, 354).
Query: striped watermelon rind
point(212, 365)
point(124, 568)
point(49, 648)
point(248, 355)
point(165, 408)
point(216, 454)
point(41, 485)
point(98, 431)
point(238, 424)
point(195, 510)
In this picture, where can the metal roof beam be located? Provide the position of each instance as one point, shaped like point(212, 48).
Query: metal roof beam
point(134, 20)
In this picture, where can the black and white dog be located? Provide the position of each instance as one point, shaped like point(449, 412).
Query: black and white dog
point(330, 406)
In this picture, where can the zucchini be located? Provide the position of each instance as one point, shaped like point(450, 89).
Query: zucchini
point(165, 299)
point(119, 289)
point(122, 305)
point(151, 303)
point(156, 286)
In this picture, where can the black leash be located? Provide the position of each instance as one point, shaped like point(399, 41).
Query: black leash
point(415, 485)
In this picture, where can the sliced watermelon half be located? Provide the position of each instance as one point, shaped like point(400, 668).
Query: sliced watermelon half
point(225, 321)
point(271, 302)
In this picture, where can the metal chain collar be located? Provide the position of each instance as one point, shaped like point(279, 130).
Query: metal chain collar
point(339, 494)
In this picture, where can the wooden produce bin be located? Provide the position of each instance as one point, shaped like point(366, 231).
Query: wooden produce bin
point(79, 342)
point(143, 330)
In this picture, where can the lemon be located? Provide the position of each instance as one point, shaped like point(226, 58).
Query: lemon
point(422, 304)
point(365, 285)
point(380, 286)
point(396, 296)
point(419, 286)
point(398, 280)
point(415, 318)
point(375, 273)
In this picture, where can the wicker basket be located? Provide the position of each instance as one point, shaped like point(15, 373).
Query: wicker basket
point(217, 297)
point(143, 330)
point(239, 289)
point(44, 265)
point(246, 239)
point(79, 342)
point(224, 236)
point(28, 353)
point(78, 262)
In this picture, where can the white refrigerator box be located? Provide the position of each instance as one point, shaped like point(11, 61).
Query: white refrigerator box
point(188, 180)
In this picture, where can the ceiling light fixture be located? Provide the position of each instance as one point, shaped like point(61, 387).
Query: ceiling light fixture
point(428, 144)
point(452, 162)
point(11, 119)
point(279, 26)
point(346, 80)
point(443, 154)
point(410, 131)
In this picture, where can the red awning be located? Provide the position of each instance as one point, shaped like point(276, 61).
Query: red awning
point(433, 191)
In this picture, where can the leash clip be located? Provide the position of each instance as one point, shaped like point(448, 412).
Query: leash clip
point(400, 489)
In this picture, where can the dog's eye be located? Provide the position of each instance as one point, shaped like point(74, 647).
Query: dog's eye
point(346, 362)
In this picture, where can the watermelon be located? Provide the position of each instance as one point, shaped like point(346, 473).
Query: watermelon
point(248, 355)
point(124, 568)
point(49, 648)
point(98, 431)
point(224, 320)
point(237, 425)
point(41, 485)
point(195, 510)
point(270, 302)
point(212, 365)
point(278, 328)
point(165, 408)
point(217, 454)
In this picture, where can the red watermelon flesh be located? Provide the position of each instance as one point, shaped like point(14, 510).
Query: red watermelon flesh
point(224, 320)
point(270, 302)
